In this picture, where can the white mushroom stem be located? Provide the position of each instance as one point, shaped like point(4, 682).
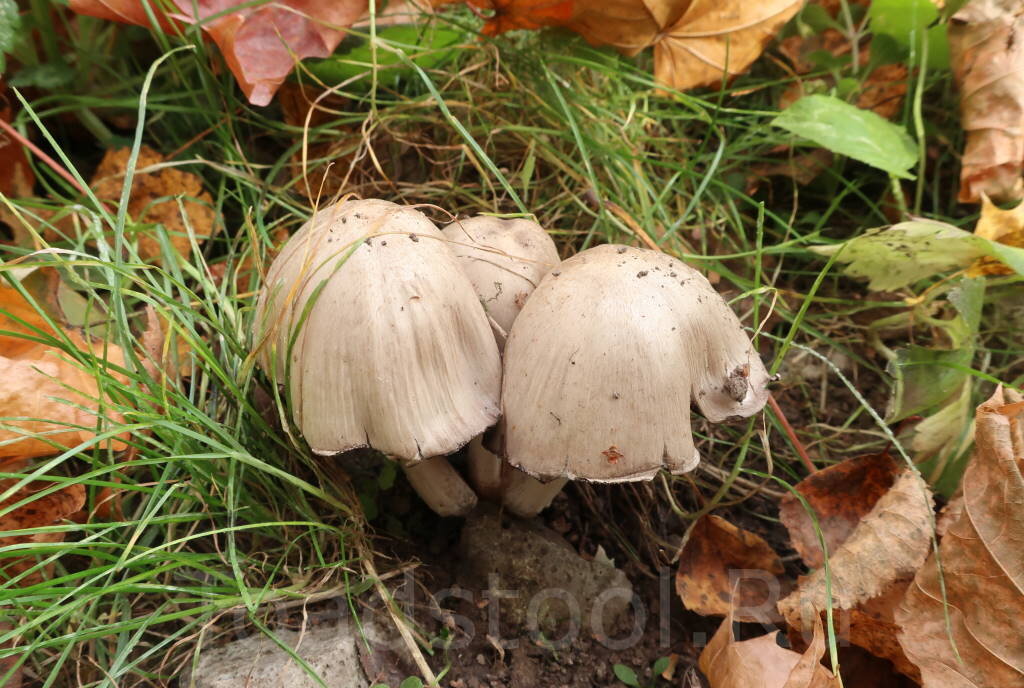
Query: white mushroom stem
point(441, 486)
point(484, 470)
point(526, 496)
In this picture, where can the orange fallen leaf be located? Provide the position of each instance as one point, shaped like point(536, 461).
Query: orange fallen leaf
point(987, 56)
point(43, 511)
point(154, 199)
point(523, 14)
point(260, 42)
point(48, 402)
point(982, 573)
point(724, 568)
point(1004, 226)
point(729, 663)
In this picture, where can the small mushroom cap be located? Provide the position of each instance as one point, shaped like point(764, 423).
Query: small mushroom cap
point(603, 361)
point(395, 352)
point(505, 260)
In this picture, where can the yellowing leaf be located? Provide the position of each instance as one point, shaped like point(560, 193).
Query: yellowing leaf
point(910, 251)
point(978, 591)
point(1003, 226)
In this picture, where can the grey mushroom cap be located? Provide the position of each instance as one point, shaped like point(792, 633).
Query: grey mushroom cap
point(395, 352)
point(505, 260)
point(604, 360)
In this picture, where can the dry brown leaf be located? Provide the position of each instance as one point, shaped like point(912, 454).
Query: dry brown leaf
point(996, 224)
point(260, 43)
point(761, 662)
point(723, 567)
point(883, 90)
point(871, 566)
point(802, 168)
point(154, 199)
point(715, 40)
point(982, 558)
point(44, 511)
point(841, 496)
point(47, 400)
point(986, 41)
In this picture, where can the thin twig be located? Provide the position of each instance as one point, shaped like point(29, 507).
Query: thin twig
point(791, 434)
point(53, 164)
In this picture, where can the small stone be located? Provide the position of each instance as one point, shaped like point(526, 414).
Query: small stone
point(535, 578)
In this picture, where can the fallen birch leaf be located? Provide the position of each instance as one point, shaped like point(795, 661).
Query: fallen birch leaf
point(154, 200)
point(261, 42)
point(761, 663)
point(987, 55)
point(870, 568)
point(982, 556)
point(841, 496)
point(725, 568)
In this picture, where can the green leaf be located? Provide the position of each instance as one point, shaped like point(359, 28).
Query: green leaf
point(429, 47)
point(626, 675)
point(10, 23)
point(860, 134)
point(411, 682)
point(929, 378)
point(909, 23)
point(660, 665)
point(911, 251)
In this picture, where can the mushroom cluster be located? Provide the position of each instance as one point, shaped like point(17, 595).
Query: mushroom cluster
point(389, 333)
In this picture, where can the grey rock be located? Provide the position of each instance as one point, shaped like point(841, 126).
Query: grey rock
point(256, 661)
point(537, 580)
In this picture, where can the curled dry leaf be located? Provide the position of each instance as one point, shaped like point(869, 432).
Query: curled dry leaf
point(996, 224)
point(986, 40)
point(982, 556)
point(761, 662)
point(260, 42)
point(870, 567)
point(723, 567)
point(48, 401)
point(696, 43)
point(841, 496)
point(154, 199)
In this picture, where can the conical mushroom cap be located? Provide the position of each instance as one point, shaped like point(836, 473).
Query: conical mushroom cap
point(604, 359)
point(395, 352)
point(505, 260)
